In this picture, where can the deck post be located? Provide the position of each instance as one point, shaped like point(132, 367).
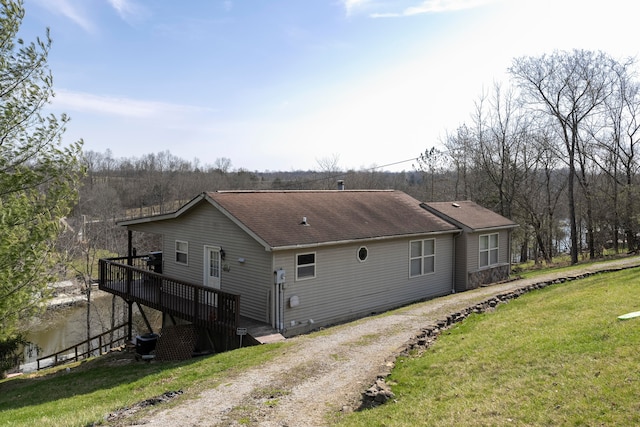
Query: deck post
point(130, 263)
point(144, 317)
point(130, 247)
point(129, 325)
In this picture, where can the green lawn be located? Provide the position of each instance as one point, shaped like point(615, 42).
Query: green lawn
point(558, 356)
point(95, 388)
point(561, 263)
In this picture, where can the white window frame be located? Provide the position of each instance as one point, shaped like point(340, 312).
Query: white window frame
point(306, 266)
point(489, 250)
point(184, 252)
point(421, 258)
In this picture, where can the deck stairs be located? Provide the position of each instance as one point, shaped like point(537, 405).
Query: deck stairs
point(261, 333)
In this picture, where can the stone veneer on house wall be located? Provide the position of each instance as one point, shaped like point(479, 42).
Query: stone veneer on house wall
point(489, 275)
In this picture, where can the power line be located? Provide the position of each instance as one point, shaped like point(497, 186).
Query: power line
point(341, 174)
point(413, 159)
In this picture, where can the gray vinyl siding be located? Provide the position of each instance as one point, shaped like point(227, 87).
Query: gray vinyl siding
point(473, 251)
point(504, 257)
point(461, 261)
point(345, 288)
point(203, 226)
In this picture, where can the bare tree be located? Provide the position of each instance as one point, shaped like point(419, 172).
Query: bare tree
point(431, 165)
point(501, 132)
point(329, 168)
point(570, 87)
point(460, 150)
point(222, 164)
point(620, 145)
point(92, 235)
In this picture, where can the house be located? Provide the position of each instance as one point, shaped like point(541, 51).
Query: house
point(483, 249)
point(299, 260)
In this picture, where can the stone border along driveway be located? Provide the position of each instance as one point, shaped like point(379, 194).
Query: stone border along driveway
point(325, 374)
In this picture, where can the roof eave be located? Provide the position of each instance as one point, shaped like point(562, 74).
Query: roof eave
point(162, 217)
point(494, 228)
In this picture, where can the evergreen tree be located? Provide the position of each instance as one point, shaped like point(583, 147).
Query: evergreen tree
point(38, 174)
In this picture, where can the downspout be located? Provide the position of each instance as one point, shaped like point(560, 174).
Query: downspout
point(276, 302)
point(272, 292)
point(281, 303)
point(454, 263)
point(279, 282)
point(509, 235)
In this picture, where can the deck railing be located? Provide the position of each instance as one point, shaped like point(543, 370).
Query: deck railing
point(203, 306)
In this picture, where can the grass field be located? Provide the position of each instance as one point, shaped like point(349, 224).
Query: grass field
point(553, 357)
point(95, 388)
point(557, 356)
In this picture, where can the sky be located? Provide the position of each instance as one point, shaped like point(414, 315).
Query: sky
point(284, 85)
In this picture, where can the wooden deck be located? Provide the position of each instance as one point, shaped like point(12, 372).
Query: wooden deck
point(210, 308)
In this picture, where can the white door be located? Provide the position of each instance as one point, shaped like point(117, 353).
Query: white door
point(211, 274)
point(212, 267)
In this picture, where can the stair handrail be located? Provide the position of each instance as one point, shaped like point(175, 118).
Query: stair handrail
point(83, 354)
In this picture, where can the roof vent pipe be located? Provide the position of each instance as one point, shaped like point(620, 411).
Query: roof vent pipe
point(340, 184)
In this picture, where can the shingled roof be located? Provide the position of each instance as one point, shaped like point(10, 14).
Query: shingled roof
point(470, 215)
point(301, 218)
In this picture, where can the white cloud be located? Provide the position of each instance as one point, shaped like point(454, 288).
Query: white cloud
point(351, 6)
point(402, 8)
point(128, 10)
point(123, 107)
point(70, 9)
point(436, 6)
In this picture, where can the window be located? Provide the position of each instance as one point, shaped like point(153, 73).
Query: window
point(182, 251)
point(488, 250)
point(422, 257)
point(306, 266)
point(363, 253)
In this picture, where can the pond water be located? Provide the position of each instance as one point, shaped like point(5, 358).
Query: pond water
point(61, 328)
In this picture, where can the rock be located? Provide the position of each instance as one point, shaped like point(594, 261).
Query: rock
point(378, 394)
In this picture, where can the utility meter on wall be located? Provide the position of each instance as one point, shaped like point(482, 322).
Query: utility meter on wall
point(280, 276)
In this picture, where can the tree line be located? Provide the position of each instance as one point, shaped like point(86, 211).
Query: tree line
point(554, 149)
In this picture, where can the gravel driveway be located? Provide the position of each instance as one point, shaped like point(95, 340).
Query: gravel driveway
point(322, 375)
